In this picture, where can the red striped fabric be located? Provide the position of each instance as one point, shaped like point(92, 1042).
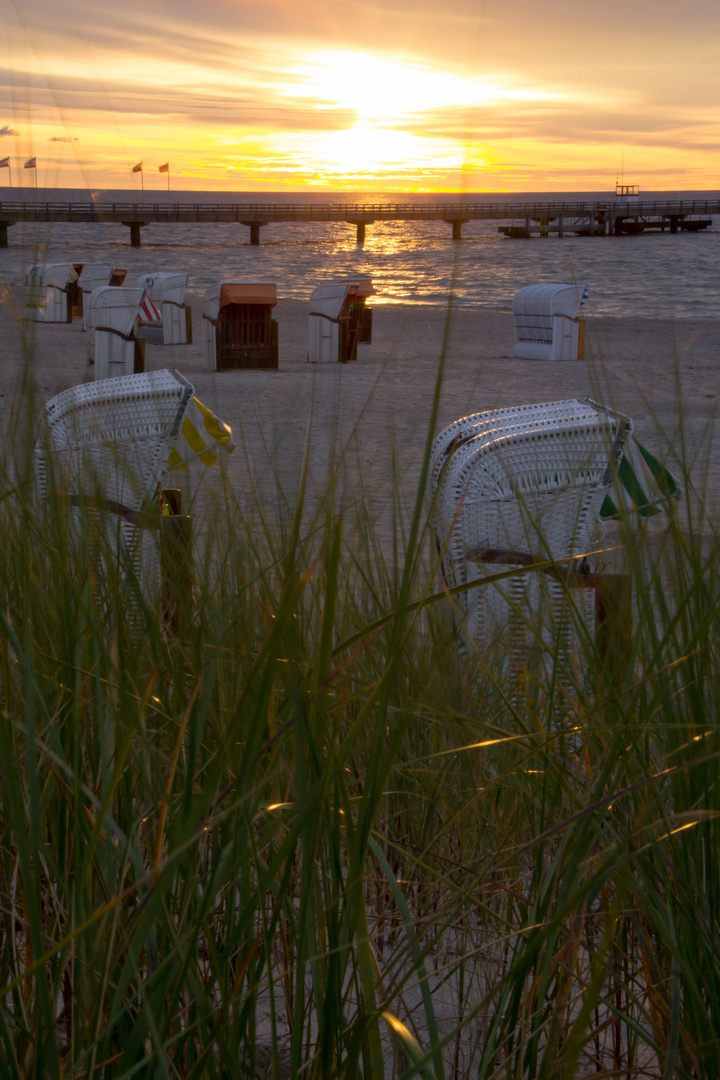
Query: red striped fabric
point(148, 312)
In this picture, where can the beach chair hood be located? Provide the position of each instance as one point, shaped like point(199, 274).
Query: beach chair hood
point(115, 308)
point(165, 285)
point(223, 293)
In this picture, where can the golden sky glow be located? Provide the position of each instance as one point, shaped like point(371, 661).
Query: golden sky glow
point(360, 96)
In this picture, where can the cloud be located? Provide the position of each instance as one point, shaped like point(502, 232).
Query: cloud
point(7, 130)
point(63, 138)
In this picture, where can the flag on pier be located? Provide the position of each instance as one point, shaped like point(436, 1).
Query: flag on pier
point(165, 167)
point(5, 163)
point(138, 167)
point(31, 163)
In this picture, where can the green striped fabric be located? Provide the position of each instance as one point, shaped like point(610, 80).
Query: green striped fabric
point(643, 486)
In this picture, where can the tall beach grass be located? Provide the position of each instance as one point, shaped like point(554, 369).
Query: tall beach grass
point(305, 834)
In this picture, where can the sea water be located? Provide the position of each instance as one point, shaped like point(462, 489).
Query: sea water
point(655, 275)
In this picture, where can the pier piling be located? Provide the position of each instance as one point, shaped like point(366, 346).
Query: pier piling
point(135, 227)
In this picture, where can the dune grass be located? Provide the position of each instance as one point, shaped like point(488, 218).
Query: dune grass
point(307, 835)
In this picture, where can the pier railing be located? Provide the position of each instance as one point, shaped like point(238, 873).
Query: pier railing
point(137, 214)
point(162, 210)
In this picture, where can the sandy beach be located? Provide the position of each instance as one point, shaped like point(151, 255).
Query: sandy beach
point(369, 420)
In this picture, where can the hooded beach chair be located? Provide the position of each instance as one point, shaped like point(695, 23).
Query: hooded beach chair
point(547, 326)
point(103, 452)
point(48, 291)
point(167, 291)
point(238, 328)
point(339, 321)
point(93, 276)
point(111, 318)
point(511, 488)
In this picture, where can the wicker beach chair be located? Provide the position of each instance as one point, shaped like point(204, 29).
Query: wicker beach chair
point(48, 290)
point(104, 452)
point(111, 318)
point(513, 487)
point(93, 277)
point(546, 320)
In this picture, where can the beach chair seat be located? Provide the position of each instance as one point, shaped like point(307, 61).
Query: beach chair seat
point(511, 488)
point(113, 349)
point(104, 451)
point(546, 321)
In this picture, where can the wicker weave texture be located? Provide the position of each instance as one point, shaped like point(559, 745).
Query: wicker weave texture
point(111, 439)
point(115, 307)
point(113, 355)
point(528, 480)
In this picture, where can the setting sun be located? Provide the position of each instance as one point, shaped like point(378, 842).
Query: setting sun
point(384, 99)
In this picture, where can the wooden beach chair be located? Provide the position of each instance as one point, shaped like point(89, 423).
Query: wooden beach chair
point(238, 328)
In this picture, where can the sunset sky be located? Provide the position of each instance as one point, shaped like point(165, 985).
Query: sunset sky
point(362, 95)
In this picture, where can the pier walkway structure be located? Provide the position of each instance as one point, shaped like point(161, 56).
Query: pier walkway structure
point(607, 218)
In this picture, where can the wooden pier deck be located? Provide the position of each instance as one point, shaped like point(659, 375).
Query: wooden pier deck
point(607, 218)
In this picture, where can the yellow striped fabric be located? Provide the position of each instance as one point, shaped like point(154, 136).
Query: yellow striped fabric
point(202, 437)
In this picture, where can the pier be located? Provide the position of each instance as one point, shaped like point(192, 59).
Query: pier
point(612, 217)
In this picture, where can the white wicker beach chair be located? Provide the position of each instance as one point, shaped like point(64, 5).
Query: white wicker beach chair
point(112, 314)
point(47, 291)
point(546, 322)
point(94, 277)
point(512, 487)
point(167, 290)
point(104, 450)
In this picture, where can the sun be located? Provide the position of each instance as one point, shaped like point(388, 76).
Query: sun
point(382, 90)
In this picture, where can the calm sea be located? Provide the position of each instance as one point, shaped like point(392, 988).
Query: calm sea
point(652, 275)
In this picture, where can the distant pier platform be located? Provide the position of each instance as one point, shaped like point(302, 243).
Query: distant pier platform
point(612, 217)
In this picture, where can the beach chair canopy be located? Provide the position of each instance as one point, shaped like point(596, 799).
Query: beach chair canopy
point(362, 287)
point(114, 308)
point(330, 300)
point(223, 293)
point(333, 299)
point(55, 275)
point(94, 276)
point(535, 306)
point(165, 285)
